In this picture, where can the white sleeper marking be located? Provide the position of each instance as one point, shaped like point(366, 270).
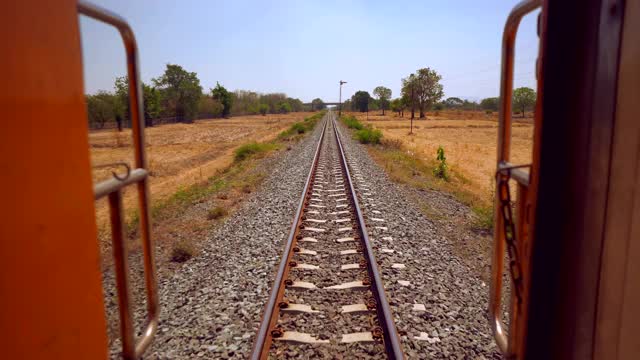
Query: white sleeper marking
point(383, 228)
point(313, 212)
point(317, 206)
point(342, 220)
point(317, 221)
point(334, 190)
point(387, 238)
point(303, 285)
point(338, 206)
point(300, 338)
point(315, 194)
point(354, 308)
point(345, 239)
point(367, 194)
point(387, 251)
point(338, 212)
point(376, 212)
point(376, 219)
point(309, 239)
point(307, 252)
point(357, 337)
point(404, 282)
point(350, 267)
point(348, 252)
point(299, 308)
point(348, 285)
point(306, 267)
point(343, 199)
point(343, 229)
point(336, 195)
point(398, 266)
point(316, 199)
point(425, 337)
point(314, 229)
point(419, 307)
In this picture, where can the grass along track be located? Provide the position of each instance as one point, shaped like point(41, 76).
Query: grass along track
point(180, 155)
point(183, 213)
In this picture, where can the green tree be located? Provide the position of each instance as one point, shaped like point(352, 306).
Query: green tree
point(383, 94)
point(224, 97)
point(284, 107)
point(99, 111)
point(263, 108)
point(151, 104)
point(489, 104)
point(180, 91)
point(296, 104)
point(121, 103)
point(428, 89)
point(317, 104)
point(524, 98)
point(209, 108)
point(360, 100)
point(409, 87)
point(453, 102)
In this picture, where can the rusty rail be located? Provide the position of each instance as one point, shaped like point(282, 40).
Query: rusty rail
point(391, 338)
point(269, 322)
point(263, 337)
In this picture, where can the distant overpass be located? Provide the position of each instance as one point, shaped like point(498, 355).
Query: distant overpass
point(325, 103)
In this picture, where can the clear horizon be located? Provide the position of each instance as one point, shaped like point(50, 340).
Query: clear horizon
point(304, 48)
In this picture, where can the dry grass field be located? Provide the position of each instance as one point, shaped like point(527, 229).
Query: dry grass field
point(181, 155)
point(468, 137)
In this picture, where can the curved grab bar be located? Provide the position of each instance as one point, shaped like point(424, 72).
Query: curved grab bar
point(504, 145)
point(130, 348)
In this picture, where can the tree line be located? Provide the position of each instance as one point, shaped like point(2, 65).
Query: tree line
point(177, 95)
point(422, 91)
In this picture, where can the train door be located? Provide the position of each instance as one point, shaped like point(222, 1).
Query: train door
point(575, 232)
point(51, 304)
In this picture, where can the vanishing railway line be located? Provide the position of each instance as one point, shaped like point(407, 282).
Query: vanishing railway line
point(328, 299)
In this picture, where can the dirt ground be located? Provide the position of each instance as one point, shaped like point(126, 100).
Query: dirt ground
point(180, 155)
point(469, 139)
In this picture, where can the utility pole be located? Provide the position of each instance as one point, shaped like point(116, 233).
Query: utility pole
point(413, 108)
point(340, 101)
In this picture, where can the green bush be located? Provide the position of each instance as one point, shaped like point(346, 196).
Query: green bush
point(369, 135)
point(301, 127)
point(216, 213)
point(352, 122)
point(247, 150)
point(441, 170)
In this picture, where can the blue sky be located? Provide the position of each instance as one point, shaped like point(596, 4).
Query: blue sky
point(303, 48)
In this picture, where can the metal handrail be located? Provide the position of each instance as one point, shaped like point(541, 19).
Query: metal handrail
point(130, 349)
point(504, 147)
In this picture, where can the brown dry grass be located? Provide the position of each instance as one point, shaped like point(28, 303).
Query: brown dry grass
point(180, 155)
point(468, 137)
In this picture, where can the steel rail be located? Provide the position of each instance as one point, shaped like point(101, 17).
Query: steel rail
point(263, 338)
point(391, 338)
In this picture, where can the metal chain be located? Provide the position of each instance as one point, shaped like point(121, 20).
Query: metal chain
point(509, 228)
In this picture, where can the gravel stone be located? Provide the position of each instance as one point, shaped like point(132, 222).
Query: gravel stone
point(454, 297)
point(211, 305)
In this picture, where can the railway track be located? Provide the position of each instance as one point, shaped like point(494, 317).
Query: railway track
point(328, 300)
